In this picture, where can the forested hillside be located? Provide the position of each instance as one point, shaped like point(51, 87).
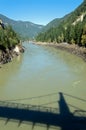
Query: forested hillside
point(72, 29)
point(26, 29)
point(54, 23)
point(10, 44)
point(8, 37)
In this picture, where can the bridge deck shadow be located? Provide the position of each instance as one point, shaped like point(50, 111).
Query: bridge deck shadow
point(64, 119)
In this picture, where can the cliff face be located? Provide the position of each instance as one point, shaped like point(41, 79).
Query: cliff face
point(8, 54)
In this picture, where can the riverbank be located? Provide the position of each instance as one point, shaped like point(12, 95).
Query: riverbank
point(73, 49)
point(6, 55)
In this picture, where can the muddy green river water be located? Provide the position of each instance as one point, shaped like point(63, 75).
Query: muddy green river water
point(43, 72)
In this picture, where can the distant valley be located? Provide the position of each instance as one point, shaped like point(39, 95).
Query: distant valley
point(70, 28)
point(25, 29)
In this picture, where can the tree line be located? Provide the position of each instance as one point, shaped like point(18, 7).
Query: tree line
point(67, 31)
point(8, 37)
point(72, 34)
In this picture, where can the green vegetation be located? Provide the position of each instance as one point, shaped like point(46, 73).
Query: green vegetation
point(71, 29)
point(8, 38)
point(26, 30)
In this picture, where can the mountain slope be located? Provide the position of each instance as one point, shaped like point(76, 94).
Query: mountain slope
point(67, 19)
point(55, 23)
point(71, 29)
point(25, 29)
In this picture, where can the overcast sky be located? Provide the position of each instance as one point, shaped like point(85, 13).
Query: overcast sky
point(37, 11)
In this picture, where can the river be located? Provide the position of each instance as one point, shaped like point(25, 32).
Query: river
point(43, 70)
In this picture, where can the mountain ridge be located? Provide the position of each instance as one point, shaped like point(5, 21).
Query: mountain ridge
point(25, 29)
point(55, 22)
point(72, 29)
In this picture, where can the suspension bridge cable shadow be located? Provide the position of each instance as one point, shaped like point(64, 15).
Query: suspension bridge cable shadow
point(44, 115)
point(68, 119)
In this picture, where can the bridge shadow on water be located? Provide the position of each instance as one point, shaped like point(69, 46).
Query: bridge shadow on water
point(64, 119)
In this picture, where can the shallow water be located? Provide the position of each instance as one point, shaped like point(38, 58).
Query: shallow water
point(43, 70)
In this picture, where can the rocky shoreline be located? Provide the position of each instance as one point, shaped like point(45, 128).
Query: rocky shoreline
point(6, 55)
point(73, 49)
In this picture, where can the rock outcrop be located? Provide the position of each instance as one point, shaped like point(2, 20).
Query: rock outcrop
point(8, 54)
point(9, 50)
